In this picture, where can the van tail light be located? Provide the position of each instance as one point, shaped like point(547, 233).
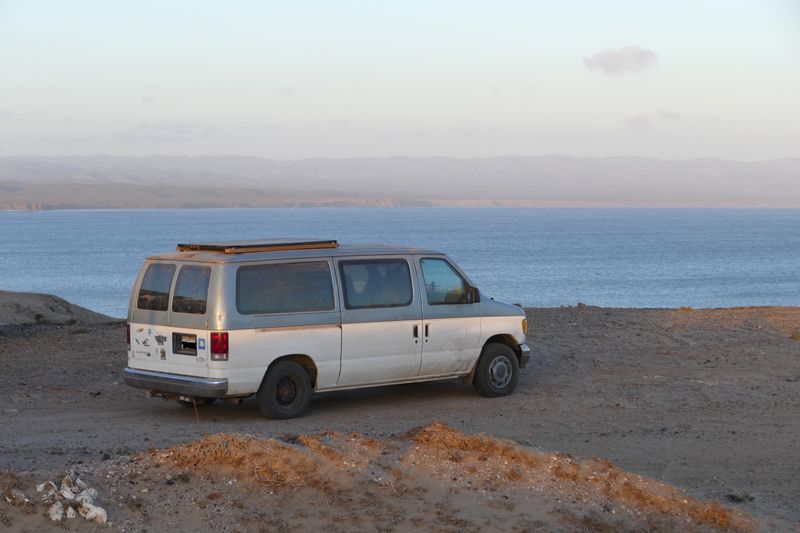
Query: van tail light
point(219, 345)
point(128, 335)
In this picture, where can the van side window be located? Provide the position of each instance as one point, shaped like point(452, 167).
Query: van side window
point(376, 283)
point(443, 284)
point(284, 288)
point(191, 290)
point(154, 291)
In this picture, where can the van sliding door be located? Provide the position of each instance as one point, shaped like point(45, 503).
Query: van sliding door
point(381, 320)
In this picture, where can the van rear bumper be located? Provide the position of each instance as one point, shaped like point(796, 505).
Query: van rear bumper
point(176, 383)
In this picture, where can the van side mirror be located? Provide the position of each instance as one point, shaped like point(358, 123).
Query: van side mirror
point(473, 295)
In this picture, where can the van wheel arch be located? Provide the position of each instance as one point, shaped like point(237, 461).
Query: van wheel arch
point(501, 338)
point(303, 360)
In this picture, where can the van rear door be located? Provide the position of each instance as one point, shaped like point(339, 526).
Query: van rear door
point(169, 328)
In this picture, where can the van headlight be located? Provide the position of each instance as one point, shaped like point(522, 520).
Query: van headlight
point(524, 326)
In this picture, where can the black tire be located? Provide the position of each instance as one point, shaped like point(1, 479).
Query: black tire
point(285, 391)
point(200, 402)
point(497, 371)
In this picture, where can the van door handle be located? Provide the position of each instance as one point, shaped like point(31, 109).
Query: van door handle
point(426, 330)
point(416, 332)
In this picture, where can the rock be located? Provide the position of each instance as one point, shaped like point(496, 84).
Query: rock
point(84, 498)
point(47, 487)
point(93, 513)
point(16, 497)
point(66, 482)
point(31, 308)
point(81, 484)
point(67, 494)
point(71, 513)
point(739, 498)
point(56, 512)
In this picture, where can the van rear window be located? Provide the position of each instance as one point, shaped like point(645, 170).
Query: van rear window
point(154, 290)
point(191, 290)
point(284, 288)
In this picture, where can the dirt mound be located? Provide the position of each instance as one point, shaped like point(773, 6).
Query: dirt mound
point(33, 308)
point(593, 480)
point(432, 477)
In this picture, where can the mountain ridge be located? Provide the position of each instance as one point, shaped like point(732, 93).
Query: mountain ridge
point(556, 180)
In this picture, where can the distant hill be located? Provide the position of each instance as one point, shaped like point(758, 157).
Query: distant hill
point(29, 182)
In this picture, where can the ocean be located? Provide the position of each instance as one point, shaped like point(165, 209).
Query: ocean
point(533, 256)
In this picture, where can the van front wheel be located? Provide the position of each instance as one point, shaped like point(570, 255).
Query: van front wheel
point(285, 391)
point(497, 371)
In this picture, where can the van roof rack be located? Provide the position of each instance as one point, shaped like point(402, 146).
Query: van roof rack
point(263, 245)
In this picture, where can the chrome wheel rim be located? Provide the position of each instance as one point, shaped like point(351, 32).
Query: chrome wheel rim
point(500, 372)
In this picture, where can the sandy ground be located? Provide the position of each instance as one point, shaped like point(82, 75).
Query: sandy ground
point(707, 401)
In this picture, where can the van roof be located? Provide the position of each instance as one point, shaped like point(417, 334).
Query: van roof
point(266, 249)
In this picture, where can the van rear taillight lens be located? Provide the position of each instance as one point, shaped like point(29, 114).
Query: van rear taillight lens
point(128, 335)
point(219, 346)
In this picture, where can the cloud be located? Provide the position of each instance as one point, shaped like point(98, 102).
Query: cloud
point(6, 113)
point(646, 121)
point(147, 100)
point(668, 115)
point(287, 91)
point(168, 131)
point(626, 60)
point(639, 122)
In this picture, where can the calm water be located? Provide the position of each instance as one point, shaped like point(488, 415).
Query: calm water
point(537, 257)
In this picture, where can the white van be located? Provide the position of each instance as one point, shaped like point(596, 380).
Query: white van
point(285, 318)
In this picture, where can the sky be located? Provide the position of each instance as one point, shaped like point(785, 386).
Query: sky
point(290, 80)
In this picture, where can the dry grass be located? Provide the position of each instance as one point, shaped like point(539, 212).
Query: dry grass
point(265, 461)
point(9, 481)
point(442, 437)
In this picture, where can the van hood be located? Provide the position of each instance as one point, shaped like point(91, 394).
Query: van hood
point(491, 307)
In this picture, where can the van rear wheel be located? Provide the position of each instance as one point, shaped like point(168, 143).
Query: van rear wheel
point(497, 371)
point(285, 391)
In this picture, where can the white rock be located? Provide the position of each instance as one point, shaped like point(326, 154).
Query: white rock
point(66, 482)
point(71, 513)
point(81, 484)
point(91, 492)
point(48, 486)
point(84, 497)
point(56, 512)
point(67, 494)
point(93, 513)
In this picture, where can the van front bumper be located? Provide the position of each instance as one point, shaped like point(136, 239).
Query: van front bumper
point(524, 355)
point(176, 383)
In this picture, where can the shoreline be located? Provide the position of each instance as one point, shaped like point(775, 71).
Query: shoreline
point(22, 308)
